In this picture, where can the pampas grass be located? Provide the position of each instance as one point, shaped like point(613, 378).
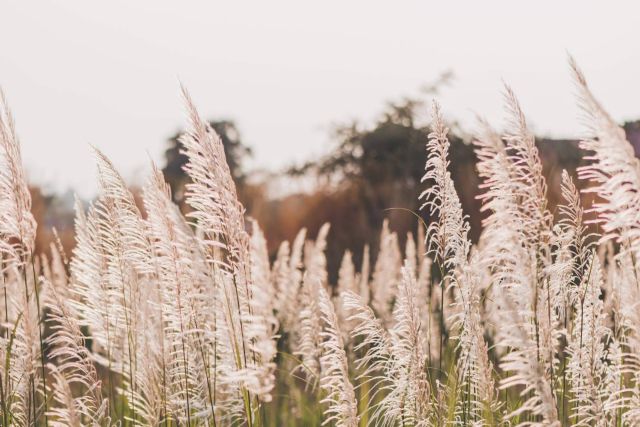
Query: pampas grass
point(161, 319)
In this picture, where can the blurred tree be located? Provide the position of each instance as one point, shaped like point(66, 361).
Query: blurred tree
point(378, 170)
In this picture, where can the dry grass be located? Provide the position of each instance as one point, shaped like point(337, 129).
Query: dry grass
point(167, 320)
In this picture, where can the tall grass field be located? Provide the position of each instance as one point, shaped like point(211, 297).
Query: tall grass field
point(160, 318)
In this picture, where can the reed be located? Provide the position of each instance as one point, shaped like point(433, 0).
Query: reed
point(162, 319)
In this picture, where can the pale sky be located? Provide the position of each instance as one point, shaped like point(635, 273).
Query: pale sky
point(106, 73)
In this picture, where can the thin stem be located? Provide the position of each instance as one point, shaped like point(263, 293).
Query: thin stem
point(42, 360)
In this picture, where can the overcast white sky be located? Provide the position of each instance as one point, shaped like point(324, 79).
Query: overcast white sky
point(106, 73)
